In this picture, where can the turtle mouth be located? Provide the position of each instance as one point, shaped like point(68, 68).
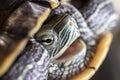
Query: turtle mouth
point(76, 49)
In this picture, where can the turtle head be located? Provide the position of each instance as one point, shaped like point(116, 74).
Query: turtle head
point(61, 38)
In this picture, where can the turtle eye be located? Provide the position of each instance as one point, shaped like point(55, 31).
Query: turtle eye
point(46, 40)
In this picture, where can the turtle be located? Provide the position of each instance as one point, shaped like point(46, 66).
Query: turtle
point(66, 28)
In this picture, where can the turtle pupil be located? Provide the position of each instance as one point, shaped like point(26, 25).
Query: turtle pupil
point(47, 40)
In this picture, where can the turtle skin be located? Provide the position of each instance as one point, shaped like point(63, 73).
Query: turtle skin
point(92, 25)
point(32, 64)
point(89, 35)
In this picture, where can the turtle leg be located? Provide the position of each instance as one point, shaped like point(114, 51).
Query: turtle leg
point(23, 23)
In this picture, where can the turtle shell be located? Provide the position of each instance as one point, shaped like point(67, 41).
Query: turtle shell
point(21, 24)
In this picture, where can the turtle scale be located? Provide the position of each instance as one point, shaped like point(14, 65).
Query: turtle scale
point(67, 8)
point(14, 31)
point(92, 11)
point(83, 20)
point(7, 7)
point(37, 70)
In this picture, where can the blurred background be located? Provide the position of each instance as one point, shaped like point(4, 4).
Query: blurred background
point(110, 69)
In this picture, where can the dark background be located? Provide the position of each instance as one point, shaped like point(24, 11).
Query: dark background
point(110, 69)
